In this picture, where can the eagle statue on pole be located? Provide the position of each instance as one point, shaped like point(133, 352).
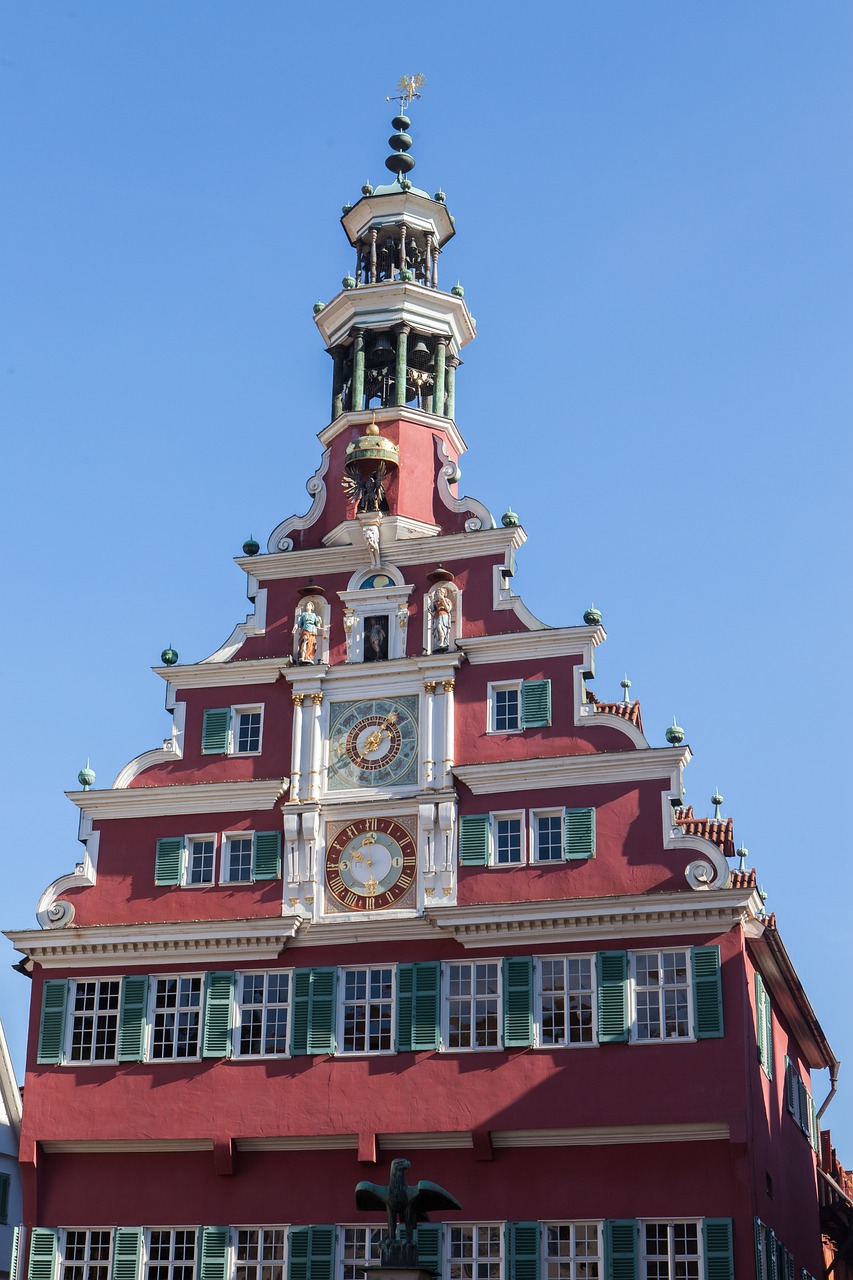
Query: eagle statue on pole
point(404, 1205)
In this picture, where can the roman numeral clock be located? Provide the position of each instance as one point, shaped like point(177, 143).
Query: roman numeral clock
point(371, 861)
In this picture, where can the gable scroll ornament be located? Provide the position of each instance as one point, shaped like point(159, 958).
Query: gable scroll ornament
point(406, 1207)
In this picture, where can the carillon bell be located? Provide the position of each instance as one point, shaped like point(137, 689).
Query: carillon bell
point(419, 353)
point(382, 348)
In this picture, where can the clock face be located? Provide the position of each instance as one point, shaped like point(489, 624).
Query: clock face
point(370, 864)
point(373, 743)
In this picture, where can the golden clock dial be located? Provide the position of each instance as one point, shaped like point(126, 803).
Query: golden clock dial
point(371, 864)
point(373, 742)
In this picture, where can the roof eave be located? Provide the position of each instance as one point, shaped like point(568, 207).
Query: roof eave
point(783, 981)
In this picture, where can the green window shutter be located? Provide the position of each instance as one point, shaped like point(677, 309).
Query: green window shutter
point(170, 856)
point(707, 993)
point(523, 1250)
point(43, 1252)
point(759, 1249)
point(535, 704)
point(803, 1106)
point(214, 733)
point(321, 1013)
point(578, 834)
point(430, 1246)
point(518, 1001)
point(417, 1006)
point(771, 1254)
point(311, 1253)
point(266, 855)
point(789, 1265)
point(17, 1248)
point(620, 1249)
point(764, 1026)
point(768, 1035)
point(298, 1244)
point(299, 1011)
point(132, 1018)
point(218, 1003)
point(719, 1258)
point(214, 1252)
point(5, 1183)
point(127, 1252)
point(474, 840)
point(790, 1087)
point(54, 998)
point(814, 1125)
point(612, 974)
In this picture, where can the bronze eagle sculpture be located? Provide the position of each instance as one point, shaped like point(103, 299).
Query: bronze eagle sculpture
point(403, 1204)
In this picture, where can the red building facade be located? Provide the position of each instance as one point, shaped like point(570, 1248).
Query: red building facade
point(400, 885)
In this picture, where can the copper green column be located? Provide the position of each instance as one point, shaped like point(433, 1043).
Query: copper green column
point(402, 364)
point(337, 383)
point(357, 369)
point(452, 365)
point(440, 359)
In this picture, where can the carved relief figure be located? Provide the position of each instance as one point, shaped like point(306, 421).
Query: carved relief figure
point(371, 538)
point(307, 627)
point(441, 613)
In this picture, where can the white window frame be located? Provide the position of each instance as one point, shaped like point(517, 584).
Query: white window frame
point(186, 857)
point(371, 1243)
point(533, 836)
point(446, 1005)
point(225, 857)
point(643, 1257)
point(151, 1014)
point(87, 1262)
point(476, 1228)
point(501, 686)
point(505, 815)
point(573, 1259)
point(566, 1043)
point(73, 984)
point(262, 1263)
point(147, 1261)
point(634, 1037)
point(233, 729)
point(240, 1005)
point(342, 1003)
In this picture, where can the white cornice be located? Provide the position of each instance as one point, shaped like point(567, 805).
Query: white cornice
point(611, 1135)
point(547, 772)
point(391, 208)
point(621, 916)
point(396, 675)
point(202, 941)
point(523, 646)
point(446, 548)
point(389, 303)
point(393, 413)
point(189, 797)
point(350, 929)
point(202, 674)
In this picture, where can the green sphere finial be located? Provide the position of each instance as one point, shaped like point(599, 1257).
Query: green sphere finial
point(509, 519)
point(457, 290)
point(716, 801)
point(440, 196)
point(348, 282)
point(675, 734)
point(251, 547)
point(367, 189)
point(169, 656)
point(742, 853)
point(592, 616)
point(346, 208)
point(86, 777)
point(625, 685)
point(318, 307)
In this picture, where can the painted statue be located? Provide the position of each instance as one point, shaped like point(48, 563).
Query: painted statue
point(441, 611)
point(307, 627)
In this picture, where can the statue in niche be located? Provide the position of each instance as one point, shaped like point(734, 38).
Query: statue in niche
point(441, 614)
point(307, 627)
point(375, 639)
point(367, 491)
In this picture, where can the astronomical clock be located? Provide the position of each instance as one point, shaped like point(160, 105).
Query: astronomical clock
point(373, 742)
point(371, 864)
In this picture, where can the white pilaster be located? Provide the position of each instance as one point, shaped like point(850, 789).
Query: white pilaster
point(427, 736)
point(296, 750)
point(316, 748)
point(448, 754)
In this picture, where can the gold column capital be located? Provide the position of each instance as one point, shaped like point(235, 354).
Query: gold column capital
point(429, 686)
point(448, 685)
point(316, 698)
point(297, 699)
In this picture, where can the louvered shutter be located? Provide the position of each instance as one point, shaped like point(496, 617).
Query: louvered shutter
point(707, 993)
point(620, 1249)
point(474, 840)
point(790, 1087)
point(719, 1258)
point(54, 998)
point(523, 1250)
point(612, 975)
point(578, 834)
point(814, 1125)
point(266, 855)
point(170, 856)
point(803, 1106)
point(43, 1253)
point(214, 733)
point(299, 1011)
point(127, 1253)
point(214, 1252)
point(321, 1013)
point(132, 1018)
point(768, 1034)
point(5, 1183)
point(311, 1253)
point(430, 1240)
point(764, 1026)
point(218, 1003)
point(517, 1001)
point(535, 704)
point(771, 1255)
point(760, 1268)
point(18, 1235)
point(417, 1006)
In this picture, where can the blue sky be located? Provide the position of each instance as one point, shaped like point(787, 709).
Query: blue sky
point(653, 203)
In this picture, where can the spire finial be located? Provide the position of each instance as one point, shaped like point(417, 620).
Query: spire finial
point(401, 162)
point(408, 87)
point(716, 801)
point(625, 685)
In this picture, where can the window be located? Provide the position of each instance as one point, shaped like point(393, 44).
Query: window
point(185, 860)
point(263, 1018)
point(94, 1020)
point(572, 1251)
point(5, 1188)
point(232, 731)
point(566, 1000)
point(764, 1026)
point(670, 1251)
point(473, 1005)
point(507, 840)
point(800, 1103)
point(170, 1255)
point(259, 1253)
point(661, 995)
point(475, 1252)
point(200, 861)
point(505, 707)
point(547, 836)
point(237, 858)
point(86, 1255)
point(175, 1017)
point(248, 856)
point(359, 1246)
point(367, 1002)
point(246, 730)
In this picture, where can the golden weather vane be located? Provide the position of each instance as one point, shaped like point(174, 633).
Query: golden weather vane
point(409, 87)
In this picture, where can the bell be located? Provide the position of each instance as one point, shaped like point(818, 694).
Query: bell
point(381, 349)
point(419, 354)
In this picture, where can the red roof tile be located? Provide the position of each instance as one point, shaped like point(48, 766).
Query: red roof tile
point(626, 710)
point(719, 833)
point(744, 879)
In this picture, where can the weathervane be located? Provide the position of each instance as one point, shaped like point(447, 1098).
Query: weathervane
point(408, 86)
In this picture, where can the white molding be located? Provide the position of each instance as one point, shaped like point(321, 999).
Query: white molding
point(589, 717)
point(390, 208)
point(10, 1093)
point(391, 302)
point(612, 1135)
point(172, 748)
point(106, 1146)
point(203, 941)
point(458, 1139)
point(278, 541)
point(710, 870)
point(374, 679)
point(392, 529)
point(390, 414)
point(190, 797)
point(481, 516)
point(549, 772)
point(352, 927)
point(300, 1142)
point(54, 912)
point(203, 675)
point(520, 646)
